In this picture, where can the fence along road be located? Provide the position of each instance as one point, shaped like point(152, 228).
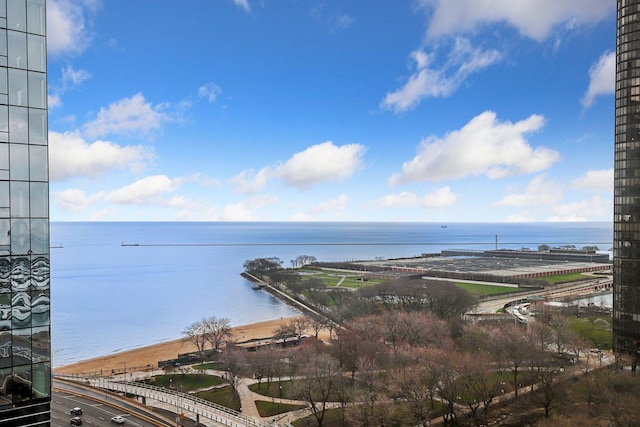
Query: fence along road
point(183, 402)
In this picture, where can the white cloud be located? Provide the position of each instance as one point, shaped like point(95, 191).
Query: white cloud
point(209, 91)
point(128, 115)
point(602, 76)
point(484, 146)
point(70, 155)
point(584, 210)
point(439, 198)
point(533, 19)
point(244, 210)
point(53, 101)
point(344, 21)
point(75, 199)
point(144, 191)
point(248, 182)
point(66, 29)
point(426, 81)
point(538, 192)
point(324, 162)
point(243, 4)
point(595, 181)
point(71, 77)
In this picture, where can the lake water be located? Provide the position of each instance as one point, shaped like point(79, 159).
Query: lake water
point(107, 297)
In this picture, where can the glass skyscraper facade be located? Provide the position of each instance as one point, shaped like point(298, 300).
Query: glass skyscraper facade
point(25, 344)
point(626, 231)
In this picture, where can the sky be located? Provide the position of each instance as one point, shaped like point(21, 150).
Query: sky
point(337, 110)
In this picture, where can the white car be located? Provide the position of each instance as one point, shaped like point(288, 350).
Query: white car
point(118, 419)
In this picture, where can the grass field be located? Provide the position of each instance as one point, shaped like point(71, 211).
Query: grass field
point(335, 278)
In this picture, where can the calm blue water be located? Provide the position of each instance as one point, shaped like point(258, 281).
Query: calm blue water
point(106, 297)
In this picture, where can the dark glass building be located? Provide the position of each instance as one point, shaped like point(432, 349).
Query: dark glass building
point(25, 343)
point(626, 223)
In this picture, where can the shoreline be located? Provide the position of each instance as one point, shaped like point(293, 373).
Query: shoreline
point(146, 357)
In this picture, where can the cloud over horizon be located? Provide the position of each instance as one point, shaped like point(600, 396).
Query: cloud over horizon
point(484, 146)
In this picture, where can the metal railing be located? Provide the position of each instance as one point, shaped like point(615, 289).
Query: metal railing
point(182, 401)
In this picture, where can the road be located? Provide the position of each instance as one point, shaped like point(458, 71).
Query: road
point(98, 408)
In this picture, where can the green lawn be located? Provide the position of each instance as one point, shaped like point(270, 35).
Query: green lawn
point(224, 396)
point(479, 290)
point(186, 382)
point(267, 408)
point(564, 278)
point(332, 278)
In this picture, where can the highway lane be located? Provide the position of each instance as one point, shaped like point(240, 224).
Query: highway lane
point(98, 408)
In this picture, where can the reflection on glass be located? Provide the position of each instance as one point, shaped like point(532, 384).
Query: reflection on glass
point(40, 273)
point(19, 200)
point(5, 349)
point(5, 312)
point(5, 275)
point(5, 392)
point(41, 344)
point(21, 383)
point(20, 238)
point(39, 236)
point(20, 310)
point(20, 279)
point(41, 380)
point(40, 309)
point(21, 346)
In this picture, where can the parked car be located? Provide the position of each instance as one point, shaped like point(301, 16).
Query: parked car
point(76, 421)
point(76, 411)
point(118, 419)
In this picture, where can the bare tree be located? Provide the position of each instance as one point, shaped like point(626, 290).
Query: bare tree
point(217, 331)
point(319, 384)
point(233, 360)
point(512, 349)
point(195, 332)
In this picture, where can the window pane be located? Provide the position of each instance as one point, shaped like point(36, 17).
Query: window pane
point(35, 17)
point(20, 268)
point(19, 200)
point(20, 237)
point(21, 313)
point(37, 126)
point(18, 126)
point(5, 392)
point(4, 196)
point(39, 197)
point(16, 49)
point(37, 53)
point(4, 156)
point(18, 87)
point(4, 118)
point(3, 47)
point(40, 308)
point(37, 90)
point(40, 272)
point(5, 278)
point(38, 165)
point(5, 335)
point(19, 161)
point(17, 15)
point(39, 236)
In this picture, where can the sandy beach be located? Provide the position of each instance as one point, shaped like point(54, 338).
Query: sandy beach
point(150, 355)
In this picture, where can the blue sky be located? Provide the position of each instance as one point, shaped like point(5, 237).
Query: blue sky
point(253, 110)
